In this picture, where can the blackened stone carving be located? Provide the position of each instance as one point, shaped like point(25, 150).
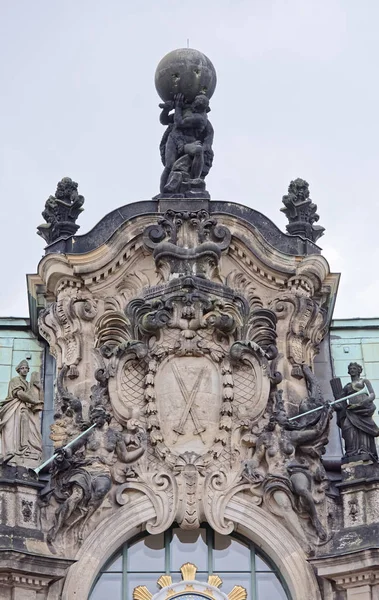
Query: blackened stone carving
point(27, 506)
point(354, 416)
point(301, 211)
point(79, 244)
point(185, 71)
point(185, 80)
point(61, 212)
point(188, 243)
point(282, 470)
point(82, 474)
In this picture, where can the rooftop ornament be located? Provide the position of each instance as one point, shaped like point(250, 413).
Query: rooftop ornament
point(185, 80)
point(301, 211)
point(61, 212)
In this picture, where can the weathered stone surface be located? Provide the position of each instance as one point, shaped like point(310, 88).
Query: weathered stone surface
point(185, 79)
point(185, 71)
point(301, 211)
point(355, 416)
point(61, 212)
point(185, 327)
point(20, 421)
point(256, 221)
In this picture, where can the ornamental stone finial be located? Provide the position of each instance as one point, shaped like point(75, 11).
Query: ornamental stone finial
point(301, 211)
point(185, 79)
point(61, 212)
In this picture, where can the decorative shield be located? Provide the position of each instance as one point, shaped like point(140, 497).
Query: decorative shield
point(126, 390)
point(189, 395)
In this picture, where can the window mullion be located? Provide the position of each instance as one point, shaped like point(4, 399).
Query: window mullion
point(210, 544)
point(253, 578)
point(124, 591)
point(167, 550)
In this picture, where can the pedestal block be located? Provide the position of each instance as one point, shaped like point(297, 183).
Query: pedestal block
point(28, 570)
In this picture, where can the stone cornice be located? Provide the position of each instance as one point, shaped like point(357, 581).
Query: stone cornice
point(254, 220)
point(32, 571)
point(108, 261)
point(350, 570)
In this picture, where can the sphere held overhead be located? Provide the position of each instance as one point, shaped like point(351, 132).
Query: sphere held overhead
point(185, 71)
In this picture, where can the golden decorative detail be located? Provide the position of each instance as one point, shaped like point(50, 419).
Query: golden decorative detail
point(215, 580)
point(142, 593)
point(189, 588)
point(188, 571)
point(170, 592)
point(209, 592)
point(164, 581)
point(238, 593)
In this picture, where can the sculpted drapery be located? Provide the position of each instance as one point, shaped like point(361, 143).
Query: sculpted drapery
point(355, 418)
point(21, 441)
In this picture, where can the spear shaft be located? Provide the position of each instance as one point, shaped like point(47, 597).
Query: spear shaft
point(364, 390)
point(49, 460)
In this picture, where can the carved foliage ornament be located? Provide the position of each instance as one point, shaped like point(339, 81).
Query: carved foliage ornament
point(301, 211)
point(61, 212)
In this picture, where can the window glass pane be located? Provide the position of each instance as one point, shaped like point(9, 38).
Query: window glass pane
point(115, 565)
point(261, 564)
point(269, 587)
point(134, 579)
point(229, 580)
point(230, 554)
point(147, 554)
point(108, 586)
point(189, 546)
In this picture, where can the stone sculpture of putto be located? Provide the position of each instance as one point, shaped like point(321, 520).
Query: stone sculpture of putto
point(21, 442)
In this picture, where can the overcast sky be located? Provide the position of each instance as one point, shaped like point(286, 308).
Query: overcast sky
point(297, 96)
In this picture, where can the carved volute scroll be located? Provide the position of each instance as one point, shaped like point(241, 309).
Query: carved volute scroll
point(187, 243)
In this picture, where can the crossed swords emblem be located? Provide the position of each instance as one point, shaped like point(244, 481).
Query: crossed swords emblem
point(189, 398)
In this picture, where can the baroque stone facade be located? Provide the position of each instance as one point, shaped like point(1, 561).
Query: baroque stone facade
point(188, 341)
point(186, 346)
point(185, 334)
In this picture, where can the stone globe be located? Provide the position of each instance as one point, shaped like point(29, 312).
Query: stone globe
point(185, 71)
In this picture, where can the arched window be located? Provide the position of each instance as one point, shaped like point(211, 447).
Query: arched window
point(144, 558)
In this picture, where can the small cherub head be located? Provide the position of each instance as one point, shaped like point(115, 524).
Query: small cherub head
point(200, 103)
point(99, 415)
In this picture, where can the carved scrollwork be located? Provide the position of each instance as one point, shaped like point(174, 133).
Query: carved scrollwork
point(307, 323)
point(61, 323)
point(183, 376)
point(219, 487)
point(160, 487)
point(187, 243)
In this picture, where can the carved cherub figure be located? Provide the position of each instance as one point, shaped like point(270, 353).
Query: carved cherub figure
point(83, 473)
point(186, 146)
point(285, 477)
